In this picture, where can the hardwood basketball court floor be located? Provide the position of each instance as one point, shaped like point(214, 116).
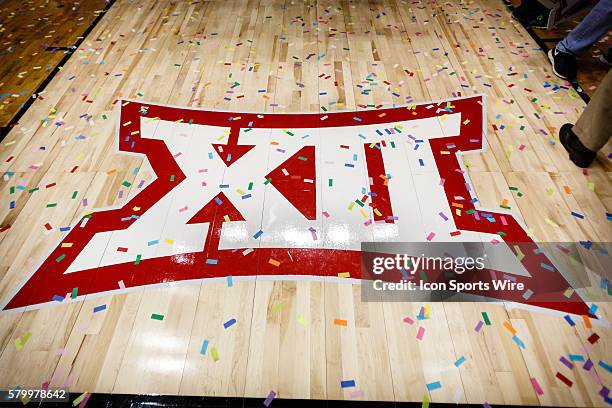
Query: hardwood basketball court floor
point(182, 213)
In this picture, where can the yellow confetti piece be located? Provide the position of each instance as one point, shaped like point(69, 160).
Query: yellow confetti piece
point(363, 214)
point(591, 186)
point(129, 122)
point(169, 241)
point(277, 307)
point(226, 218)
point(344, 274)
point(66, 244)
point(549, 191)
point(301, 320)
point(568, 292)
point(214, 354)
point(551, 222)
point(135, 208)
point(274, 262)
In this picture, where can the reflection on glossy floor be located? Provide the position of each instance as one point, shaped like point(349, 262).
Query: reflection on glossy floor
point(300, 338)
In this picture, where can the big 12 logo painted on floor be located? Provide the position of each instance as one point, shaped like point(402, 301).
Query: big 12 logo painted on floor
point(247, 195)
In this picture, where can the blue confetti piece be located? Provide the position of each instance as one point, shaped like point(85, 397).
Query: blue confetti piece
point(593, 309)
point(603, 364)
point(258, 234)
point(212, 261)
point(569, 320)
point(547, 267)
point(347, 383)
point(433, 386)
point(518, 341)
point(460, 361)
point(99, 308)
point(229, 323)
point(58, 298)
point(154, 242)
point(204, 347)
point(576, 357)
point(230, 281)
point(577, 215)
point(218, 201)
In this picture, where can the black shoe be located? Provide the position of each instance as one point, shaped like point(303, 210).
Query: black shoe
point(578, 154)
point(564, 65)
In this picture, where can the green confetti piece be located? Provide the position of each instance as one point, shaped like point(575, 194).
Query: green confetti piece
point(33, 190)
point(60, 258)
point(330, 182)
point(423, 276)
point(302, 158)
point(74, 194)
point(155, 316)
point(513, 188)
point(78, 399)
point(324, 108)
point(74, 293)
point(126, 184)
point(138, 257)
point(485, 317)
point(50, 205)
point(12, 190)
point(172, 177)
point(359, 203)
point(250, 186)
point(505, 207)
point(268, 180)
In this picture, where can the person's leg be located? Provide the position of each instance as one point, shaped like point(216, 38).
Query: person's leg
point(593, 129)
point(594, 26)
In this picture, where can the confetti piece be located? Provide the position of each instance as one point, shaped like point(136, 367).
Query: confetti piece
point(459, 361)
point(157, 317)
point(420, 333)
point(485, 316)
point(511, 329)
point(214, 354)
point(229, 323)
point(269, 398)
point(99, 308)
point(340, 322)
point(593, 338)
point(347, 383)
point(518, 341)
point(564, 379)
point(433, 386)
point(479, 326)
point(536, 386)
point(204, 347)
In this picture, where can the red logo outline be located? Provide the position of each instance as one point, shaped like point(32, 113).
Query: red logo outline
point(49, 279)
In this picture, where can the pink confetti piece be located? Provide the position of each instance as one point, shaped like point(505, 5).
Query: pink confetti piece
point(431, 236)
point(536, 386)
point(68, 380)
point(408, 320)
point(356, 394)
point(121, 284)
point(420, 333)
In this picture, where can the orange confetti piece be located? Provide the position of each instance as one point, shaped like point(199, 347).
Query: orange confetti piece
point(340, 322)
point(510, 328)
